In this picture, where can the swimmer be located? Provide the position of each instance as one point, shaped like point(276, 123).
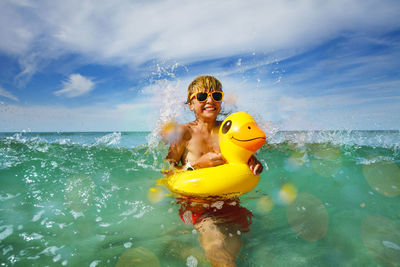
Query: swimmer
point(196, 146)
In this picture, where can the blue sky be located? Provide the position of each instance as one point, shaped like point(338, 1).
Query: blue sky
point(125, 65)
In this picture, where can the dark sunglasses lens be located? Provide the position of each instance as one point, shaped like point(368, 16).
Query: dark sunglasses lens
point(217, 96)
point(201, 96)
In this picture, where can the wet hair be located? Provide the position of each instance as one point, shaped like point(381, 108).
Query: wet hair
point(203, 83)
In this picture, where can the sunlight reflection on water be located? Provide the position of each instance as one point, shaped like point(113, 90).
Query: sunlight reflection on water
point(308, 217)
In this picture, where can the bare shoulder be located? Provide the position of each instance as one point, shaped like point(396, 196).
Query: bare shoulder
point(185, 131)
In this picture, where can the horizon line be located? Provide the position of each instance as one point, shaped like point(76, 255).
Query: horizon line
point(148, 131)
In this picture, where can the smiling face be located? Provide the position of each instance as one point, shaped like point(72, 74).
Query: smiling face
point(207, 110)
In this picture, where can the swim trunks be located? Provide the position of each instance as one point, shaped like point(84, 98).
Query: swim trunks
point(224, 212)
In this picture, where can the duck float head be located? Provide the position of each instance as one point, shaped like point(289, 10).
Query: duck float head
point(240, 137)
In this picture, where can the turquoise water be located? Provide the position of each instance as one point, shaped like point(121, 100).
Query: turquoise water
point(82, 199)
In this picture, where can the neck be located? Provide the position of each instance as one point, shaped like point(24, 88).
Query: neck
point(205, 124)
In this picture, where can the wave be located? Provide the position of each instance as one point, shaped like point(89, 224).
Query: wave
point(136, 151)
point(81, 151)
point(387, 139)
point(384, 139)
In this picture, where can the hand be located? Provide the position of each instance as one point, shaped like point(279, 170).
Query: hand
point(209, 159)
point(255, 166)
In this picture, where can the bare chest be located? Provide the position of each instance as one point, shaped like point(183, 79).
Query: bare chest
point(200, 144)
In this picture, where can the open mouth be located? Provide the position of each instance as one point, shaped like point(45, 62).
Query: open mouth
point(209, 109)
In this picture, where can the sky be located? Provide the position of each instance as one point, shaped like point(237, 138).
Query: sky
point(122, 65)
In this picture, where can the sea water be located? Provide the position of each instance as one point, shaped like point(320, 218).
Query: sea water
point(83, 199)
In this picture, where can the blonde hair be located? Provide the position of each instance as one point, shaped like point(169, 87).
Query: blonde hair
point(203, 83)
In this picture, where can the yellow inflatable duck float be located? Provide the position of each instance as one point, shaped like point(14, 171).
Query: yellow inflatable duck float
point(239, 138)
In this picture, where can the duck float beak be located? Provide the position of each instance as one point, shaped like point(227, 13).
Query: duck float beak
point(249, 136)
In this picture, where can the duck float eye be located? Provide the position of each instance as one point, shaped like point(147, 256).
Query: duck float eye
point(227, 125)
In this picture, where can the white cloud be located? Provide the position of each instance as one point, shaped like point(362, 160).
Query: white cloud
point(76, 85)
point(164, 100)
point(133, 32)
point(7, 94)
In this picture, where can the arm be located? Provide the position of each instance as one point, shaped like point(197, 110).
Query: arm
point(209, 159)
point(176, 150)
point(255, 166)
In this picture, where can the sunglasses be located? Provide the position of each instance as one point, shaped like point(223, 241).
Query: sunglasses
point(202, 96)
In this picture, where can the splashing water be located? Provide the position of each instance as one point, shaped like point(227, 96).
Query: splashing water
point(326, 199)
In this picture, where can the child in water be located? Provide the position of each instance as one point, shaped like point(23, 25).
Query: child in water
point(219, 223)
